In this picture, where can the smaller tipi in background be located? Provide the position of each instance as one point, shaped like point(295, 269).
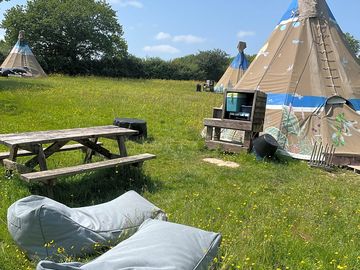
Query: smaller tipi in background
point(235, 71)
point(22, 57)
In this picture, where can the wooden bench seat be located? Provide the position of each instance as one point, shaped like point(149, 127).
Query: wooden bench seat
point(67, 147)
point(51, 174)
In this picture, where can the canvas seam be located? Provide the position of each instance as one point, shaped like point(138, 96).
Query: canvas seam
point(207, 251)
point(42, 231)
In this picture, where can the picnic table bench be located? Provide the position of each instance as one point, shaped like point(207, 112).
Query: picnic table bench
point(32, 144)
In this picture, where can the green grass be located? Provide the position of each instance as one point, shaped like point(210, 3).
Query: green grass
point(272, 215)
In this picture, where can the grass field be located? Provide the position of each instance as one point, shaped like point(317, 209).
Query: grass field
point(272, 215)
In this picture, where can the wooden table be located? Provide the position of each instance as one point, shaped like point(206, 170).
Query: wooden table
point(31, 144)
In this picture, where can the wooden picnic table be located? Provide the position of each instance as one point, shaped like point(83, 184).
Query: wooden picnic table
point(32, 144)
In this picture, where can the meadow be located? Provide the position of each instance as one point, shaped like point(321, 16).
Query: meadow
point(275, 214)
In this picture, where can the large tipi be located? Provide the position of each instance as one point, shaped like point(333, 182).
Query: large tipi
point(21, 56)
point(235, 71)
point(312, 81)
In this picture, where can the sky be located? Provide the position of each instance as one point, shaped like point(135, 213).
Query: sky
point(171, 28)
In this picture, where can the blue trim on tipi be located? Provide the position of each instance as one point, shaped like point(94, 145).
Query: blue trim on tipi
point(292, 11)
point(332, 17)
point(22, 48)
point(240, 62)
point(303, 101)
point(295, 101)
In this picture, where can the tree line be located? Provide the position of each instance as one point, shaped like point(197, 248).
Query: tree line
point(84, 37)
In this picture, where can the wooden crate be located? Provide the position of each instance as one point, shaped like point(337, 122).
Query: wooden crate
point(224, 119)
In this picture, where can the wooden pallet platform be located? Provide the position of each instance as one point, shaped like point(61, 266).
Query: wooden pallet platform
point(354, 168)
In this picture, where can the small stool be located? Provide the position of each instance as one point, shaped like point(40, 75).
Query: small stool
point(132, 123)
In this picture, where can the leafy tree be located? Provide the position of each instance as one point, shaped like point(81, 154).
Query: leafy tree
point(212, 63)
point(250, 57)
point(4, 50)
point(353, 43)
point(187, 68)
point(65, 33)
point(204, 65)
point(157, 68)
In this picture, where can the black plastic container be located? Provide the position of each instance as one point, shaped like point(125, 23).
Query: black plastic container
point(265, 146)
point(132, 123)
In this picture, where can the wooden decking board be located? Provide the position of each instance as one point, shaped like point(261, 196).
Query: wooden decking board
point(51, 174)
point(355, 168)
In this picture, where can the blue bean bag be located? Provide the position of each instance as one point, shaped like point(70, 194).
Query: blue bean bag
point(157, 245)
point(44, 228)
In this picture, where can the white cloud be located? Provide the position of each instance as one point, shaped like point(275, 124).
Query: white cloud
point(162, 36)
point(243, 34)
point(190, 39)
point(127, 3)
point(161, 49)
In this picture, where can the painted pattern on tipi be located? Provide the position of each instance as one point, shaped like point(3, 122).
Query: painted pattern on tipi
point(235, 71)
point(304, 63)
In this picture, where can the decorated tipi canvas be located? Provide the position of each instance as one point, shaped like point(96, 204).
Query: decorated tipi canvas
point(22, 57)
point(235, 71)
point(312, 81)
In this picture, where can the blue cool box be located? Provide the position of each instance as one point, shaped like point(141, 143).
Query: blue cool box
point(234, 102)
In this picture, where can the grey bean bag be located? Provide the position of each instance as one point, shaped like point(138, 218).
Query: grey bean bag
point(44, 228)
point(156, 245)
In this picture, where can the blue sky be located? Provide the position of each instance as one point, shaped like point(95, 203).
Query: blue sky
point(170, 28)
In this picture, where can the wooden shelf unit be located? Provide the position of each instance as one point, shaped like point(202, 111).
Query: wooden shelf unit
point(251, 125)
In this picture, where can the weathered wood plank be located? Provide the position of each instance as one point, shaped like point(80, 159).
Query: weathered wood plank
point(225, 146)
point(259, 114)
point(122, 147)
point(13, 166)
point(249, 138)
point(13, 153)
point(23, 153)
point(344, 159)
point(49, 136)
point(97, 148)
point(261, 110)
point(355, 168)
point(41, 157)
point(227, 123)
point(51, 174)
point(43, 154)
point(209, 133)
point(217, 133)
point(89, 152)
